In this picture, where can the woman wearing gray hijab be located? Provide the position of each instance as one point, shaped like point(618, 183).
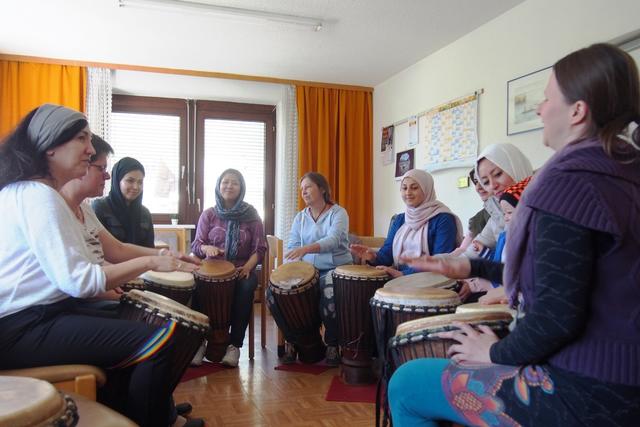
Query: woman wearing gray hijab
point(45, 266)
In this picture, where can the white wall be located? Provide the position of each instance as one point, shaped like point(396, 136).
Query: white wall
point(529, 37)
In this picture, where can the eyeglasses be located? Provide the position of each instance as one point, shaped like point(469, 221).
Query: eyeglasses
point(101, 168)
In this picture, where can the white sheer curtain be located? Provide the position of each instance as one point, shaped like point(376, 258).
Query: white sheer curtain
point(99, 93)
point(287, 164)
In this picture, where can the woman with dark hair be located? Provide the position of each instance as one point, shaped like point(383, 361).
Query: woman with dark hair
point(571, 268)
point(233, 230)
point(45, 266)
point(121, 212)
point(320, 236)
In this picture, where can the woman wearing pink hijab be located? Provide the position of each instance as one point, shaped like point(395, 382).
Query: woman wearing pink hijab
point(427, 227)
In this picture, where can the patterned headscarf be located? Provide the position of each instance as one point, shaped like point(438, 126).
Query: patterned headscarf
point(240, 212)
point(513, 194)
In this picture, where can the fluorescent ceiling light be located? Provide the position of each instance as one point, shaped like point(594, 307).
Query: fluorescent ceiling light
point(212, 9)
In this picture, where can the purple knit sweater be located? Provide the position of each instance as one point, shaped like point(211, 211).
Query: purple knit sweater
point(583, 185)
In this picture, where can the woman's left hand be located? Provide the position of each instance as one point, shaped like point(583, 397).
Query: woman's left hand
point(390, 271)
point(474, 345)
point(296, 253)
point(244, 272)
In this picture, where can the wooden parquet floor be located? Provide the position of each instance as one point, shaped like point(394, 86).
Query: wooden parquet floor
point(256, 394)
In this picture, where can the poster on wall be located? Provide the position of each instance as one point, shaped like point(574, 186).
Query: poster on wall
point(413, 131)
point(404, 162)
point(386, 145)
point(449, 134)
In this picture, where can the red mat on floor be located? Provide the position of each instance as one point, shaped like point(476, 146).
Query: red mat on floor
point(341, 392)
point(305, 368)
point(205, 369)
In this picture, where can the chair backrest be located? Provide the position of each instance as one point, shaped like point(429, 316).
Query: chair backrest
point(275, 253)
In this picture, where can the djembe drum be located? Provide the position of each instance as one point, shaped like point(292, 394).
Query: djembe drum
point(29, 402)
point(137, 283)
point(476, 307)
point(176, 285)
point(423, 280)
point(393, 305)
point(353, 286)
point(215, 286)
point(296, 295)
point(191, 327)
point(415, 340)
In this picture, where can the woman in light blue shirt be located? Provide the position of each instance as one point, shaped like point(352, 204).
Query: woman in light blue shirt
point(320, 236)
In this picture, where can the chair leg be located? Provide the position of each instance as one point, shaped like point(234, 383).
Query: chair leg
point(251, 334)
point(280, 343)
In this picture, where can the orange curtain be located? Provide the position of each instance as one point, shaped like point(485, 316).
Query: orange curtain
point(334, 134)
point(26, 85)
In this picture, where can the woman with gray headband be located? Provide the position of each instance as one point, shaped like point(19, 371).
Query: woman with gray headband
point(45, 266)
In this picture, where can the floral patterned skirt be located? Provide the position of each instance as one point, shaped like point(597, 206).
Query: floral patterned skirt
point(499, 395)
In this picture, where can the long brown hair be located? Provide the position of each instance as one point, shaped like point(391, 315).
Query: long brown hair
point(322, 183)
point(606, 78)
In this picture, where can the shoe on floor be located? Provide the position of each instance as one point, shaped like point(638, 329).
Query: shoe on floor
point(332, 357)
point(231, 357)
point(290, 356)
point(194, 422)
point(199, 356)
point(183, 408)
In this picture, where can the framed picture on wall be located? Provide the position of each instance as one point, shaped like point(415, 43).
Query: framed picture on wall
point(404, 162)
point(523, 96)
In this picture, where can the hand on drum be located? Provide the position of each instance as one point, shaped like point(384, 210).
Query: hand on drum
point(390, 271)
point(295, 254)
point(181, 256)
point(211, 251)
point(169, 263)
point(452, 267)
point(244, 272)
point(474, 345)
point(494, 296)
point(363, 252)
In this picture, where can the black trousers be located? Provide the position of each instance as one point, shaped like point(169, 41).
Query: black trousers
point(60, 333)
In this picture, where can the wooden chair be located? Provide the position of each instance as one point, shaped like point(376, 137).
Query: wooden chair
point(274, 259)
point(259, 296)
point(80, 379)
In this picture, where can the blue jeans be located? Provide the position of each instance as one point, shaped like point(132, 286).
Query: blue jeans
point(241, 310)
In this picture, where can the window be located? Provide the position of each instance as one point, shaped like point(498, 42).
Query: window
point(185, 145)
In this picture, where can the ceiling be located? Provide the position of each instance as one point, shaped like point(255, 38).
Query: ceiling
point(363, 42)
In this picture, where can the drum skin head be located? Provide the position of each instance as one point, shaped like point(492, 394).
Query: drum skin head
point(422, 297)
point(216, 268)
point(436, 322)
point(421, 280)
point(360, 271)
point(293, 274)
point(476, 307)
point(165, 305)
point(29, 402)
point(176, 279)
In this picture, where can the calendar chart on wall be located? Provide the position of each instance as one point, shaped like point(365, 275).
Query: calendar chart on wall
point(449, 134)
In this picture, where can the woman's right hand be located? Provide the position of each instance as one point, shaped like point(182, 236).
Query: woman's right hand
point(494, 296)
point(363, 252)
point(211, 251)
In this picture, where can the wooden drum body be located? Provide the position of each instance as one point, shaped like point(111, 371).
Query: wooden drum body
point(176, 285)
point(215, 286)
point(190, 327)
point(413, 340)
point(353, 286)
point(296, 295)
point(392, 306)
point(29, 402)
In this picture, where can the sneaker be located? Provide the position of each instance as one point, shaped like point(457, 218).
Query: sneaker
point(290, 355)
point(197, 359)
point(332, 357)
point(183, 408)
point(231, 357)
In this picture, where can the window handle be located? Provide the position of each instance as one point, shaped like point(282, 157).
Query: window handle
point(182, 172)
point(198, 201)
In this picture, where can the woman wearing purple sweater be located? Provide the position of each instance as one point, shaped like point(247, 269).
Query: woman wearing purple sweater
point(233, 230)
point(572, 268)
